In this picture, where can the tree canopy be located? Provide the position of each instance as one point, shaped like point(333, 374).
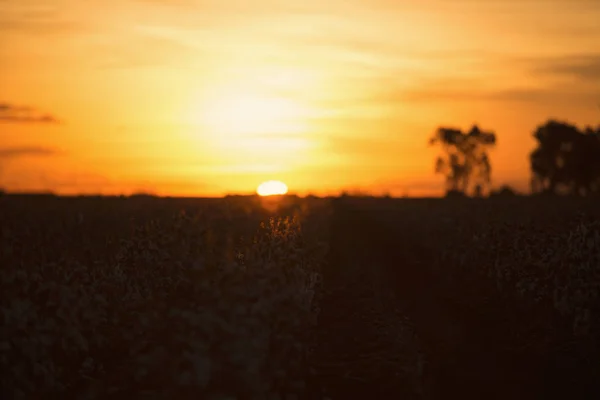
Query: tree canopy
point(566, 159)
point(464, 161)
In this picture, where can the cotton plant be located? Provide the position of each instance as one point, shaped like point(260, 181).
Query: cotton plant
point(239, 324)
point(548, 267)
point(177, 310)
point(47, 332)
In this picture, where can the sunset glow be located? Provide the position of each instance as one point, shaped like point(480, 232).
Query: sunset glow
point(272, 188)
point(239, 113)
point(205, 98)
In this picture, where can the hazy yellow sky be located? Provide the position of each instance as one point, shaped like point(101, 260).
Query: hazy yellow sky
point(208, 97)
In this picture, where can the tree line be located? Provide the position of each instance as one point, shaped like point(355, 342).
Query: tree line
point(566, 159)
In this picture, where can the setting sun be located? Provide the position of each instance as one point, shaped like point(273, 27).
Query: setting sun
point(271, 188)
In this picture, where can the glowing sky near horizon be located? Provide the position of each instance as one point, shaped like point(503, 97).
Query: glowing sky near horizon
point(209, 97)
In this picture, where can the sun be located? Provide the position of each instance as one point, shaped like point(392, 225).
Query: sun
point(272, 188)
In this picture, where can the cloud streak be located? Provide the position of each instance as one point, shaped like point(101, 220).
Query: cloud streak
point(584, 68)
point(11, 113)
point(517, 95)
point(32, 19)
point(25, 151)
point(543, 90)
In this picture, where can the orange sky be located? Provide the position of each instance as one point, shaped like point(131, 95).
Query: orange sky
point(207, 97)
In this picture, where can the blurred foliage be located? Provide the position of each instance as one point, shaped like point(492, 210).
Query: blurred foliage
point(530, 262)
point(566, 159)
point(220, 298)
point(465, 161)
point(124, 297)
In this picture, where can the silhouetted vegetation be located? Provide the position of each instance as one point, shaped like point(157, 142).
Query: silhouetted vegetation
point(465, 161)
point(566, 160)
point(143, 195)
point(172, 298)
point(255, 297)
point(504, 191)
point(442, 299)
point(503, 298)
point(455, 194)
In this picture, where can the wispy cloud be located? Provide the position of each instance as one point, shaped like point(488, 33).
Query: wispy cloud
point(24, 151)
point(132, 52)
point(562, 79)
point(541, 90)
point(383, 149)
point(12, 113)
point(36, 19)
point(517, 95)
point(44, 27)
point(583, 68)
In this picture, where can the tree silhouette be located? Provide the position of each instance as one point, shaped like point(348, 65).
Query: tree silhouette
point(566, 159)
point(464, 161)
